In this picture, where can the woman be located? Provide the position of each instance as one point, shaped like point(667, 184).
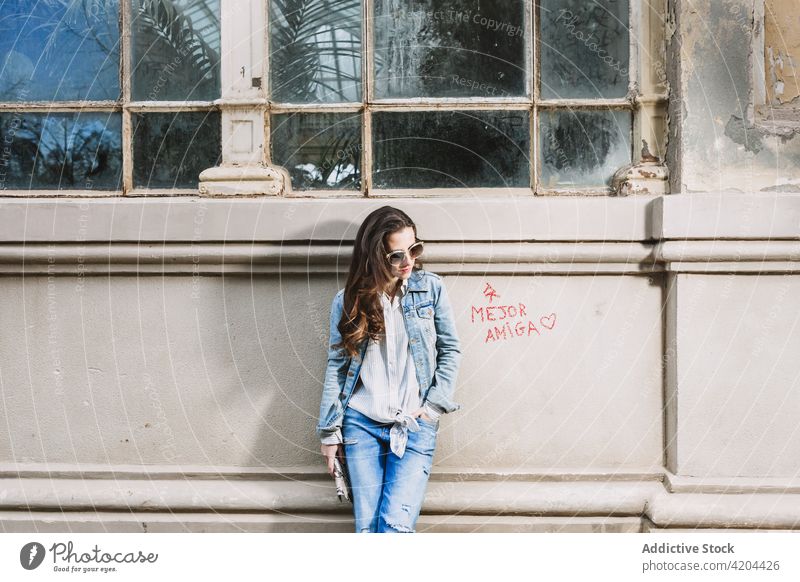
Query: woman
point(392, 364)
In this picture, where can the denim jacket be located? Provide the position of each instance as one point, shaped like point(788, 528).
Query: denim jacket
point(434, 346)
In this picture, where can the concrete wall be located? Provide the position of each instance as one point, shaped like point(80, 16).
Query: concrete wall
point(738, 342)
point(161, 360)
point(175, 363)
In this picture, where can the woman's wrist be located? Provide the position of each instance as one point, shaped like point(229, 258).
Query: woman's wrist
point(334, 438)
point(432, 411)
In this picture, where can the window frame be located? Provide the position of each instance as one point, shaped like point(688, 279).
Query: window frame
point(635, 102)
point(246, 109)
point(126, 107)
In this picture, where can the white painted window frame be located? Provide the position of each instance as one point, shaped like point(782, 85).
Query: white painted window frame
point(127, 108)
point(245, 110)
point(646, 100)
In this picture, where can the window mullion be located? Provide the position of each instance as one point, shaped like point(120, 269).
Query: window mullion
point(452, 105)
point(315, 107)
point(125, 66)
point(535, 82)
point(458, 102)
point(648, 71)
point(529, 43)
point(61, 106)
point(534, 32)
point(622, 103)
point(156, 106)
point(368, 88)
point(635, 35)
point(534, 149)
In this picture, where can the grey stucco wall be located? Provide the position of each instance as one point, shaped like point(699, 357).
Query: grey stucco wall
point(161, 359)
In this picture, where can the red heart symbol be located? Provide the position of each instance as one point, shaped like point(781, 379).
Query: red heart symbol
point(548, 321)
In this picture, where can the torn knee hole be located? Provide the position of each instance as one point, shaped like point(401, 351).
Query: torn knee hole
point(401, 527)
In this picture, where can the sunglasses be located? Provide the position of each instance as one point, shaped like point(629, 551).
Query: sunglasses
point(396, 258)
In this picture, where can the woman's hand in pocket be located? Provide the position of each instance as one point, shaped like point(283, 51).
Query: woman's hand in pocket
point(420, 413)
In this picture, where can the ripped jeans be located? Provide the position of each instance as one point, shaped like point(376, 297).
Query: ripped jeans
point(387, 490)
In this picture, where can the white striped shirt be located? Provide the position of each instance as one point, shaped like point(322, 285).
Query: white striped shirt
point(387, 390)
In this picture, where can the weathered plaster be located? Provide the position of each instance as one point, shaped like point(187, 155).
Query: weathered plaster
point(675, 109)
point(716, 142)
point(782, 54)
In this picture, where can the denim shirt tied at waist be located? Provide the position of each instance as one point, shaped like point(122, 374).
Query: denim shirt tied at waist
point(434, 346)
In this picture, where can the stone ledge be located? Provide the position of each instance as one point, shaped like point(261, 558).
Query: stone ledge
point(208, 258)
point(260, 258)
point(280, 219)
point(301, 496)
point(731, 485)
point(238, 180)
point(724, 215)
point(593, 500)
point(90, 522)
point(698, 216)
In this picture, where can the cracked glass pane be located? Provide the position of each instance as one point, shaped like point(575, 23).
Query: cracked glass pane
point(315, 51)
point(581, 149)
point(449, 48)
point(583, 47)
point(61, 151)
point(60, 50)
point(171, 149)
point(176, 50)
point(319, 150)
point(451, 149)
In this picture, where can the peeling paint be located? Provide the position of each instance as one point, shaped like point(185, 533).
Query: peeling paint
point(787, 188)
point(737, 130)
point(729, 135)
point(669, 22)
point(782, 58)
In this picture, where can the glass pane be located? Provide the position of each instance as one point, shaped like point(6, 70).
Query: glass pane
point(60, 50)
point(583, 149)
point(451, 149)
point(176, 47)
point(171, 149)
point(449, 48)
point(60, 151)
point(584, 48)
point(315, 50)
point(319, 150)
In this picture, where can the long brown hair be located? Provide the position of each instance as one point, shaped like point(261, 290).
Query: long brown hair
point(369, 275)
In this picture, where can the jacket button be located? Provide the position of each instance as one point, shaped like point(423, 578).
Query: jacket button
point(350, 374)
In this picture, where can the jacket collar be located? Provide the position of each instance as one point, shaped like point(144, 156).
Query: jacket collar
point(415, 281)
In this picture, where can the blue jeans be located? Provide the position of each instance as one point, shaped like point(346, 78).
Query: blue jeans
point(387, 490)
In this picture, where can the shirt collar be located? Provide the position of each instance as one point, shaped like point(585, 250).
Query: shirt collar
point(399, 295)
